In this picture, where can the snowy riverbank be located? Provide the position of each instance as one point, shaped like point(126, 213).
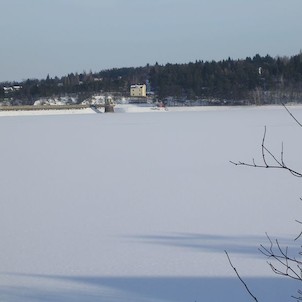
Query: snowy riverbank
point(140, 207)
point(136, 108)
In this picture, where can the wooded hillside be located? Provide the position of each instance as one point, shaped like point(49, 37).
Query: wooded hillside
point(252, 80)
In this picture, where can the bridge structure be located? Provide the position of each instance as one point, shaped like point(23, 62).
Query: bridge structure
point(109, 107)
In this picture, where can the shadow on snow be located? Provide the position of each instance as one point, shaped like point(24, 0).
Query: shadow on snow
point(149, 289)
point(245, 245)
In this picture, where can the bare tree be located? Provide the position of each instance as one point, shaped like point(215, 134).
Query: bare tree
point(279, 258)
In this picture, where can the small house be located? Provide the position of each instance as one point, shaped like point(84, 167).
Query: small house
point(138, 90)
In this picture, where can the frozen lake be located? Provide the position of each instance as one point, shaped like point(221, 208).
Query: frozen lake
point(141, 206)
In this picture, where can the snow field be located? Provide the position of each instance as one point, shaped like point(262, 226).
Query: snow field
point(140, 207)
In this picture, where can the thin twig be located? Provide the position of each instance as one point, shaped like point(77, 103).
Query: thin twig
point(285, 261)
point(291, 115)
point(235, 270)
point(280, 164)
point(263, 148)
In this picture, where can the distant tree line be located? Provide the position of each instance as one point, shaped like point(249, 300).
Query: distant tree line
point(257, 80)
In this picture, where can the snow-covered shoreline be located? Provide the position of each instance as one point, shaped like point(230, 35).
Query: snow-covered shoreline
point(135, 108)
point(45, 112)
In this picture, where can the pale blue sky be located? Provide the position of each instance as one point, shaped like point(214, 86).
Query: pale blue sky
point(56, 37)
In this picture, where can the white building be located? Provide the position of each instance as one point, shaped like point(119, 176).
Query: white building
point(138, 90)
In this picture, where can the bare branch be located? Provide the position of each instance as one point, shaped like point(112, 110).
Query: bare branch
point(263, 148)
point(235, 270)
point(279, 164)
point(292, 115)
point(289, 266)
point(280, 261)
point(298, 237)
point(282, 155)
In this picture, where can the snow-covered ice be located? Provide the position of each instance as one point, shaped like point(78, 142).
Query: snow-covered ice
point(140, 207)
